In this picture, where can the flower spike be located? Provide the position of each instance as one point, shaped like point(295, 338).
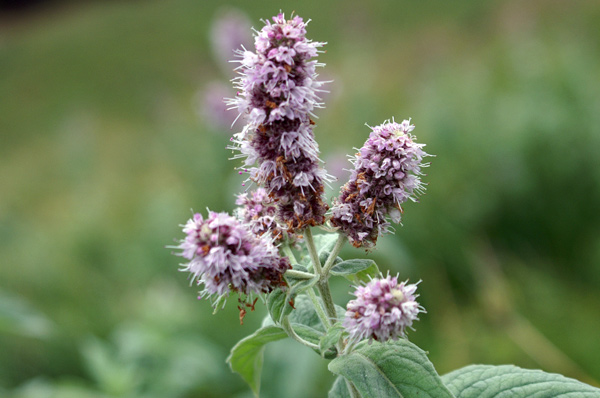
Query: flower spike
point(277, 93)
point(387, 173)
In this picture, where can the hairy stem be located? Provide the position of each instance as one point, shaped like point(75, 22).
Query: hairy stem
point(319, 308)
point(312, 251)
point(323, 284)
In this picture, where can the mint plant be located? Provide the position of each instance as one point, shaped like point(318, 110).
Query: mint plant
point(269, 251)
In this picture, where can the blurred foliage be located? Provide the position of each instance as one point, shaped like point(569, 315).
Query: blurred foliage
point(103, 154)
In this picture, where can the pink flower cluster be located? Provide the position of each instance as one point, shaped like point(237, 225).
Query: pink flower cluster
point(224, 255)
point(277, 95)
point(382, 310)
point(386, 174)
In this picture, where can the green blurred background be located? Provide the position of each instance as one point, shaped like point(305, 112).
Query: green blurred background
point(104, 150)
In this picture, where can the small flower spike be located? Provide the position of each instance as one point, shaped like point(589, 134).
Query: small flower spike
point(225, 256)
point(382, 310)
point(387, 172)
point(277, 93)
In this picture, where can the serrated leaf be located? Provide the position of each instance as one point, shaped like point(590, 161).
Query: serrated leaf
point(246, 357)
point(339, 389)
point(353, 266)
point(278, 304)
point(487, 381)
point(331, 337)
point(393, 369)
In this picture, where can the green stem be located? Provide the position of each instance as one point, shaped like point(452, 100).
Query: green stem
point(323, 284)
point(287, 326)
point(325, 291)
point(319, 308)
point(312, 250)
point(333, 255)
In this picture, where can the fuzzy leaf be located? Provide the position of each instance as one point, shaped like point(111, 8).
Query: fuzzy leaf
point(305, 313)
point(365, 275)
point(354, 266)
point(246, 357)
point(314, 336)
point(325, 243)
point(393, 369)
point(339, 389)
point(487, 381)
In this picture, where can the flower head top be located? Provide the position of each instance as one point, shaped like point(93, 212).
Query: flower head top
point(226, 256)
point(382, 310)
point(386, 174)
point(258, 211)
point(277, 92)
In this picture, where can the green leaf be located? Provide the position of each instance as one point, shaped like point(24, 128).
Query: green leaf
point(353, 266)
point(331, 337)
point(314, 336)
point(339, 389)
point(278, 304)
point(484, 381)
point(246, 357)
point(365, 275)
point(325, 243)
point(393, 369)
point(305, 313)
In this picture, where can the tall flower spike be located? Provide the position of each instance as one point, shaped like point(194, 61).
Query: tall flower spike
point(382, 310)
point(224, 256)
point(277, 95)
point(386, 173)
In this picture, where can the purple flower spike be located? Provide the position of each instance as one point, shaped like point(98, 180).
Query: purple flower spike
point(382, 310)
point(226, 256)
point(277, 95)
point(386, 174)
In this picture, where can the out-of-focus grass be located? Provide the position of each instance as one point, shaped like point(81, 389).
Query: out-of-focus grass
point(103, 155)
